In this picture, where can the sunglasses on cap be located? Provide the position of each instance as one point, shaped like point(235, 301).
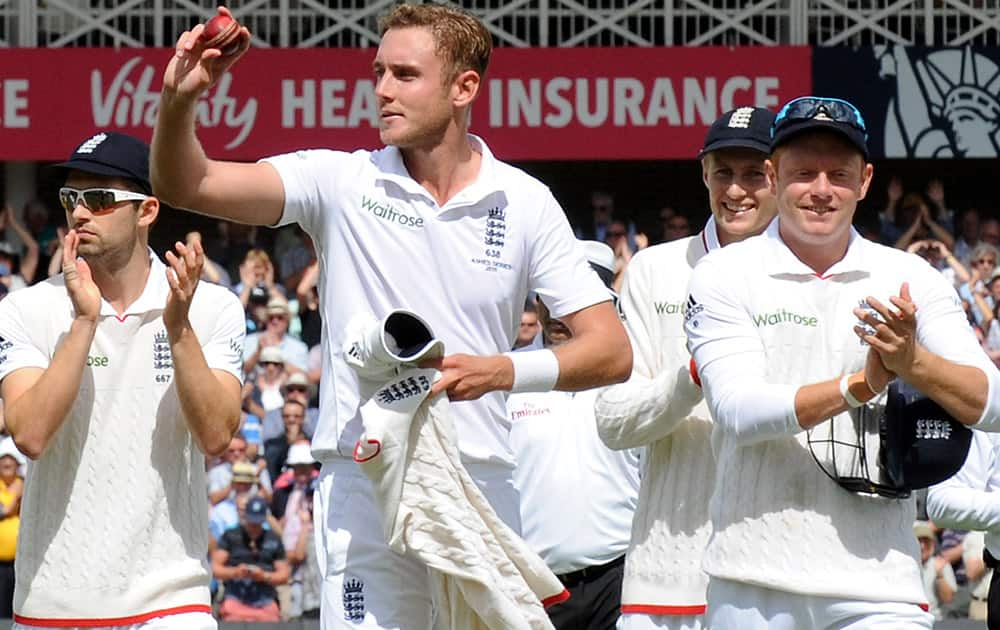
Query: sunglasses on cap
point(96, 199)
point(818, 108)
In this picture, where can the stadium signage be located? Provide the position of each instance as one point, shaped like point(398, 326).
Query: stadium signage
point(537, 103)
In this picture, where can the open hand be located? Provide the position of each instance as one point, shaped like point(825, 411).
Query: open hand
point(83, 291)
point(183, 273)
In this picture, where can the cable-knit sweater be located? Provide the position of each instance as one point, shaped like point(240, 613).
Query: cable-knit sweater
point(660, 408)
point(763, 325)
point(482, 574)
point(114, 517)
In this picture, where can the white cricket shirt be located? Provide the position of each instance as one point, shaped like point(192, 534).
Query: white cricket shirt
point(760, 325)
point(114, 516)
point(383, 243)
point(970, 499)
point(577, 495)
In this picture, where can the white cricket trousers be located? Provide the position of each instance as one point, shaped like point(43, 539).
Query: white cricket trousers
point(365, 584)
point(183, 621)
point(640, 621)
point(747, 607)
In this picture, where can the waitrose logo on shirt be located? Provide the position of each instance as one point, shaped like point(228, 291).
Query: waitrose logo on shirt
point(670, 308)
point(387, 213)
point(784, 317)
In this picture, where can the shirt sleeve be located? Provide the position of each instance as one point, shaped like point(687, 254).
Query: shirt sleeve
point(942, 328)
point(656, 398)
point(224, 348)
point(309, 178)
point(964, 500)
point(17, 350)
point(731, 361)
point(558, 270)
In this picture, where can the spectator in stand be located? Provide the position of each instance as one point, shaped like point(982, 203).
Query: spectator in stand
point(276, 450)
point(220, 476)
point(295, 254)
point(528, 331)
point(310, 316)
point(296, 388)
point(292, 506)
point(275, 334)
point(251, 561)
point(16, 272)
point(44, 231)
point(991, 323)
point(936, 253)
point(225, 514)
point(989, 232)
point(602, 209)
point(939, 579)
point(951, 547)
point(675, 226)
point(915, 216)
point(978, 573)
point(212, 271)
point(974, 292)
point(897, 221)
point(257, 270)
point(11, 489)
point(263, 393)
point(968, 234)
point(624, 247)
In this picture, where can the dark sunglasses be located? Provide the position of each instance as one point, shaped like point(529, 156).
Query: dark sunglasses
point(96, 199)
point(811, 107)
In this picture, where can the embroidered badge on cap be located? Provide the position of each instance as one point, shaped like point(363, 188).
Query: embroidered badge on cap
point(741, 118)
point(92, 143)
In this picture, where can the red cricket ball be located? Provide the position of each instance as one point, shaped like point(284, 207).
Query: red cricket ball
point(222, 32)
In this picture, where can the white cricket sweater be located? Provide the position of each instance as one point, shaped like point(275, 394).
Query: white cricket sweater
point(114, 521)
point(659, 407)
point(482, 575)
point(758, 312)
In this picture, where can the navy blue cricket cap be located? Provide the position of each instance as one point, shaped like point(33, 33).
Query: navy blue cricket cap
point(112, 154)
point(743, 127)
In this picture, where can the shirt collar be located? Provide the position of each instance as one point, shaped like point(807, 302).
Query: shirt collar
point(710, 235)
point(781, 260)
point(154, 294)
point(390, 166)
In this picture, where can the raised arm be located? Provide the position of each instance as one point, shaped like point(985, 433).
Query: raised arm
point(182, 174)
point(37, 400)
point(209, 398)
point(29, 264)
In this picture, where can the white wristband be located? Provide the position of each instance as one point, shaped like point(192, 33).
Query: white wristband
point(534, 370)
point(852, 402)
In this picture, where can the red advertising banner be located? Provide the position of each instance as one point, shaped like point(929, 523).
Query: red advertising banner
point(537, 103)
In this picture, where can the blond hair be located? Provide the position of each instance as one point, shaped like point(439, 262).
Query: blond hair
point(460, 40)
